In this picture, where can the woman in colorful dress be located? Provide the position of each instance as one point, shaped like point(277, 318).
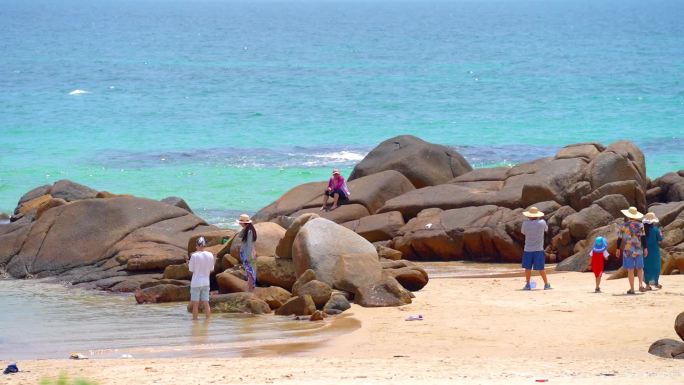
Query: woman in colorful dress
point(247, 250)
point(631, 242)
point(652, 261)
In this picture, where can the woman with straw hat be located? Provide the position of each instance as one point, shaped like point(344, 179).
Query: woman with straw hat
point(247, 249)
point(631, 242)
point(652, 260)
point(533, 255)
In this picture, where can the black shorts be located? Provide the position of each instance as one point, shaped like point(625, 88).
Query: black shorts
point(343, 196)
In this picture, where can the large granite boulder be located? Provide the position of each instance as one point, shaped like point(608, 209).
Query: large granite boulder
point(284, 248)
point(477, 233)
point(275, 272)
point(292, 201)
point(671, 186)
point(100, 241)
point(178, 202)
point(153, 232)
point(344, 213)
point(372, 191)
point(338, 256)
point(679, 325)
point(409, 275)
point(229, 283)
point(379, 227)
point(423, 163)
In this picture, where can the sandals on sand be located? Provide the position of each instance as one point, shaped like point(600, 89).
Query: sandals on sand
point(643, 289)
point(630, 291)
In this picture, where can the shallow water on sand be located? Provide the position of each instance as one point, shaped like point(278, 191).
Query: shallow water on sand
point(41, 320)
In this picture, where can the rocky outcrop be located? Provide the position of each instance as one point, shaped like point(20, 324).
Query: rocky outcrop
point(679, 325)
point(428, 203)
point(113, 243)
point(284, 248)
point(275, 272)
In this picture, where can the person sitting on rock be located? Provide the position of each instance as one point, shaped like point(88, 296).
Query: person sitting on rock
point(247, 250)
point(631, 246)
point(201, 265)
point(337, 189)
point(533, 256)
point(652, 261)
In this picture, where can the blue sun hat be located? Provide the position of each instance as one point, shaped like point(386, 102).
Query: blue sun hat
point(600, 244)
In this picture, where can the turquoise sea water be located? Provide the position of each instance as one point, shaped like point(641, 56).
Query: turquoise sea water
point(230, 103)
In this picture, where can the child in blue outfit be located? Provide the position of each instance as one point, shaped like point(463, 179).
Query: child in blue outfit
point(533, 256)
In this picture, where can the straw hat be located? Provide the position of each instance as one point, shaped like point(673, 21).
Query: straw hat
point(336, 172)
point(533, 212)
point(244, 218)
point(650, 218)
point(632, 213)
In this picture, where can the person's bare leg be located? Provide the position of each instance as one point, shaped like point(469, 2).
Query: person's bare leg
point(195, 309)
point(640, 274)
point(207, 309)
point(543, 275)
point(598, 282)
point(528, 275)
point(325, 202)
point(334, 205)
point(630, 277)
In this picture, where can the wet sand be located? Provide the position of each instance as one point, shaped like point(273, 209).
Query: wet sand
point(480, 331)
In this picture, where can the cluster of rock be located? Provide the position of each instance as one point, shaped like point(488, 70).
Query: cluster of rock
point(426, 202)
point(99, 240)
point(312, 268)
point(670, 348)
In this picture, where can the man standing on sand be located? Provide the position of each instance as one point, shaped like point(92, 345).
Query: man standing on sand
point(533, 256)
point(201, 265)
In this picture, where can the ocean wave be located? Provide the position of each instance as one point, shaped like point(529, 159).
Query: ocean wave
point(305, 157)
point(78, 92)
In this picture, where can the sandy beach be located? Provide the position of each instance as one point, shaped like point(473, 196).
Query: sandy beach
point(480, 331)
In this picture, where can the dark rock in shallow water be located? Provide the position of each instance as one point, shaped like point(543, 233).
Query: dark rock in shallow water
point(163, 293)
point(336, 304)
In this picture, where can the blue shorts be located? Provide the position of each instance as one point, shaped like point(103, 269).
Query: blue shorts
point(533, 260)
point(630, 263)
point(199, 294)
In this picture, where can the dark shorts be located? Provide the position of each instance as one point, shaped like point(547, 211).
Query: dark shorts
point(343, 196)
point(533, 260)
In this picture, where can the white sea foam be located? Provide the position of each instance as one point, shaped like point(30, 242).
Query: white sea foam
point(341, 156)
point(78, 92)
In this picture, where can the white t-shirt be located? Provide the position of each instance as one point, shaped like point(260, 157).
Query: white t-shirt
point(534, 234)
point(201, 265)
